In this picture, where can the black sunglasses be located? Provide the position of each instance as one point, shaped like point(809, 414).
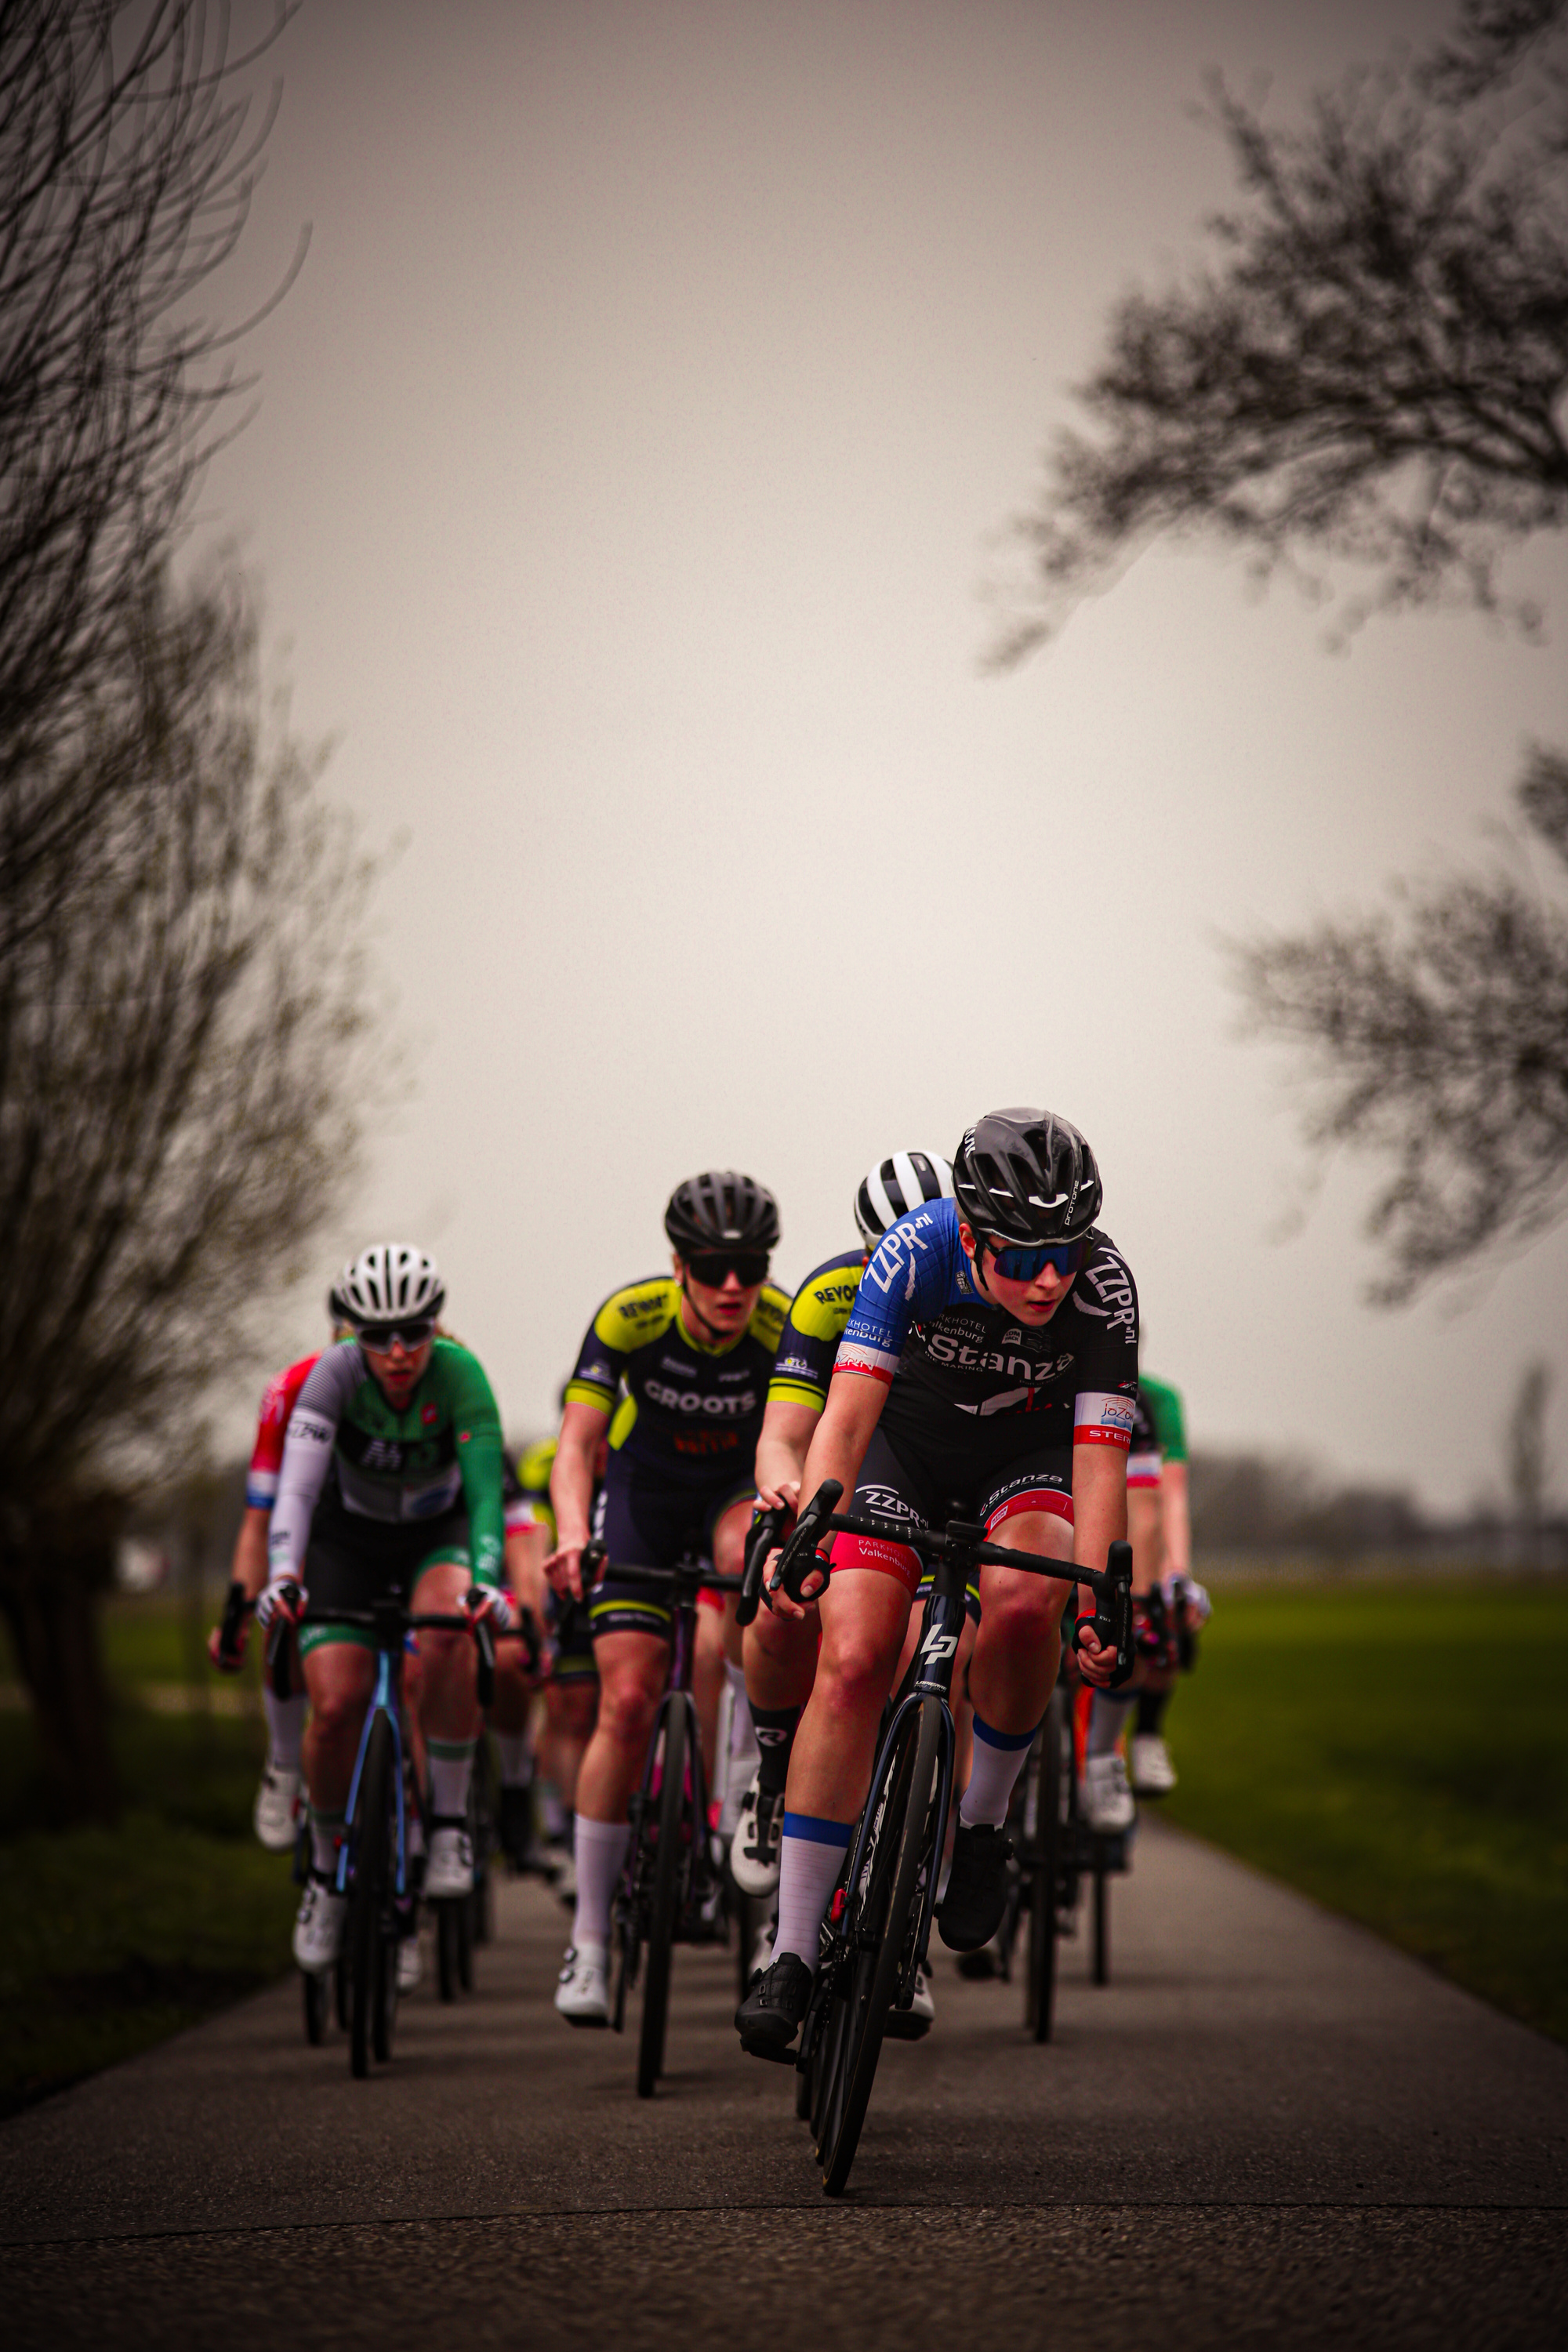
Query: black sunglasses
point(379, 1337)
point(714, 1268)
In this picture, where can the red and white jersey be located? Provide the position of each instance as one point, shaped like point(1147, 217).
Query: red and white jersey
point(277, 1408)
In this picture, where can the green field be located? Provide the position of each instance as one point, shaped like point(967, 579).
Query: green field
point(109, 1940)
point(1398, 1751)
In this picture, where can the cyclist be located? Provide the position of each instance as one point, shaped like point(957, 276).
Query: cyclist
point(570, 1699)
point(991, 1358)
point(780, 1652)
point(673, 1369)
point(406, 1422)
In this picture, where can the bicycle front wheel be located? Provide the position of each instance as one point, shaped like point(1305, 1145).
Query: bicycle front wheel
point(367, 1891)
point(883, 1930)
point(664, 1909)
point(1047, 1805)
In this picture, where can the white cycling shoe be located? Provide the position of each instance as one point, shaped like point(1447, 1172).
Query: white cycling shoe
point(754, 1848)
point(273, 1815)
point(319, 1926)
point(410, 1968)
point(1106, 1796)
point(1153, 1774)
point(449, 1870)
point(582, 1990)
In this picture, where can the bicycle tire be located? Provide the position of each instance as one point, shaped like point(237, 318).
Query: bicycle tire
point(383, 2016)
point(1049, 1766)
point(464, 1909)
point(367, 1891)
point(449, 1932)
point(664, 1909)
point(340, 1993)
point(1101, 1915)
point(318, 1999)
point(888, 1906)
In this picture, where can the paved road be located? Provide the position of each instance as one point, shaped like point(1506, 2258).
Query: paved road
point(1271, 2129)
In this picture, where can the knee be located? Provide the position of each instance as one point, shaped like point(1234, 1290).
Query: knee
point(627, 1711)
point(852, 1677)
point(337, 1711)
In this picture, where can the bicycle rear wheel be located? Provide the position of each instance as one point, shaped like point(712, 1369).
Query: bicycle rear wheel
point(367, 1891)
point(882, 1926)
point(665, 1908)
point(317, 1997)
point(1046, 1808)
point(449, 1944)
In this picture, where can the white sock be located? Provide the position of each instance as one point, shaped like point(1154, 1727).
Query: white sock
point(998, 1760)
point(325, 1831)
point(552, 1811)
point(515, 1749)
point(744, 1753)
point(1105, 1719)
point(285, 1729)
point(811, 1856)
point(451, 1766)
point(600, 1848)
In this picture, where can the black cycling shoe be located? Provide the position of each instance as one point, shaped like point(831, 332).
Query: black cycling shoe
point(976, 1887)
point(516, 1826)
point(776, 2001)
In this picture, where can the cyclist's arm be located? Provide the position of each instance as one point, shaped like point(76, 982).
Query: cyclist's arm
point(1176, 1518)
point(307, 1451)
point(249, 1567)
point(789, 1424)
point(476, 1423)
point(1099, 1520)
point(583, 1428)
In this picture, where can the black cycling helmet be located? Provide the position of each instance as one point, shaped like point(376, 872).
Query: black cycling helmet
point(1027, 1176)
point(720, 1210)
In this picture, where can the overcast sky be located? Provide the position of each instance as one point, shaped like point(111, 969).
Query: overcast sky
point(634, 454)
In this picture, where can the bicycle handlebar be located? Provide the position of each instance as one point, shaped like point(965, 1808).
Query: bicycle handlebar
point(596, 1564)
point(766, 1533)
point(966, 1546)
point(387, 1617)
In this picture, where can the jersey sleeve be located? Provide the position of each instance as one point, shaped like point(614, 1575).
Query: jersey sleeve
point(307, 1453)
point(1105, 1406)
point(910, 1276)
point(476, 1427)
point(271, 1428)
point(626, 1321)
point(808, 1343)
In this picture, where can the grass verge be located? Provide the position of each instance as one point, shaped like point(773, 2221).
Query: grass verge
point(1399, 1751)
point(112, 1939)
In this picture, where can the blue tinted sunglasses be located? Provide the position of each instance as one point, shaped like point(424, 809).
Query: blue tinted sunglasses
point(1016, 1263)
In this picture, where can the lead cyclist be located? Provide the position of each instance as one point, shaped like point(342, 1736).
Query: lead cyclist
point(992, 1359)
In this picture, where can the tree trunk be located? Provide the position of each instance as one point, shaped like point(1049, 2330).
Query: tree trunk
point(51, 1584)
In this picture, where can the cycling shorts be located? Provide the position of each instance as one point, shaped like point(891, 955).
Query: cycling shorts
point(572, 1637)
point(353, 1561)
point(643, 1523)
point(1037, 1478)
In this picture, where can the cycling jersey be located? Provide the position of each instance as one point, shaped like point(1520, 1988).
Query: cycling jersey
point(441, 1454)
point(920, 1324)
point(528, 1504)
point(688, 1411)
point(808, 1343)
point(1165, 1404)
point(277, 1403)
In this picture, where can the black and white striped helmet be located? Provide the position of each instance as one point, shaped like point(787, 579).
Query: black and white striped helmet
point(386, 1283)
point(896, 1186)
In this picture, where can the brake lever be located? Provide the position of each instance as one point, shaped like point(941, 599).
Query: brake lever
point(765, 1534)
point(800, 1556)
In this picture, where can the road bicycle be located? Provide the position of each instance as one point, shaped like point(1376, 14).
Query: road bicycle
point(879, 1917)
point(374, 1862)
point(672, 1889)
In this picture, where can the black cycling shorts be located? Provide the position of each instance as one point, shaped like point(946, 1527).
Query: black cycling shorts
point(644, 1522)
point(943, 1482)
point(353, 1561)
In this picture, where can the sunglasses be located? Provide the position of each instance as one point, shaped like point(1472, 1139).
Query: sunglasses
point(1016, 1263)
point(380, 1336)
point(713, 1269)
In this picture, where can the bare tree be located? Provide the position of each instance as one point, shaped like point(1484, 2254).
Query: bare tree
point(126, 163)
point(1372, 367)
point(1527, 1462)
point(176, 1111)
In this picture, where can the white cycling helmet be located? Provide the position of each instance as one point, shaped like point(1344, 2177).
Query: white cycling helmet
point(386, 1284)
point(896, 1186)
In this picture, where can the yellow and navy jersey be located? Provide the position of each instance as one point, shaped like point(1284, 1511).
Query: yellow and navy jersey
point(813, 1329)
point(678, 1405)
point(527, 1493)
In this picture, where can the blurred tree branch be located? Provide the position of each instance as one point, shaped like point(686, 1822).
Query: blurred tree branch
point(1437, 1038)
point(1373, 369)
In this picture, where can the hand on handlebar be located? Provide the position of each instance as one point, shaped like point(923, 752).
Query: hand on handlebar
point(488, 1603)
point(564, 1569)
point(225, 1642)
point(281, 1601)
